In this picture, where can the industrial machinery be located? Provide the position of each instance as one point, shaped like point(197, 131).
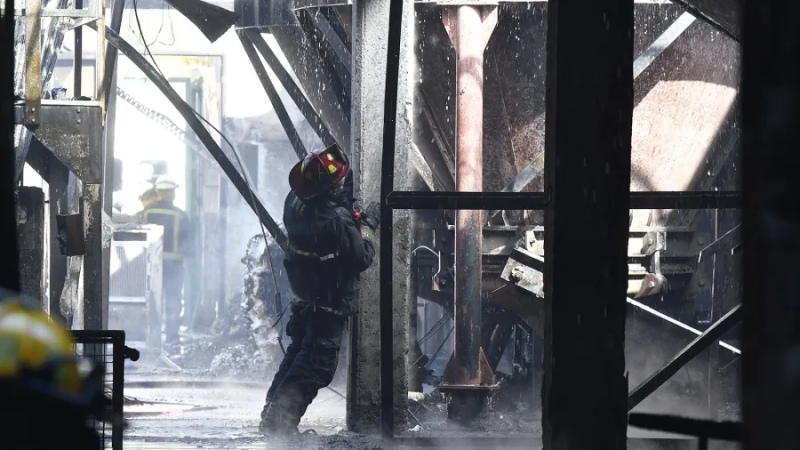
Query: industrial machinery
point(486, 267)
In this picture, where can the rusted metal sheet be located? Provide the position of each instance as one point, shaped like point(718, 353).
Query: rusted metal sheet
point(661, 154)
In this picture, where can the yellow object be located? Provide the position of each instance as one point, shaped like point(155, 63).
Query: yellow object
point(171, 221)
point(31, 343)
point(149, 197)
point(331, 168)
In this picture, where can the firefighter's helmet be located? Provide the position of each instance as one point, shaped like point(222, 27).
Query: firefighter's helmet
point(319, 171)
point(41, 384)
point(165, 183)
point(149, 197)
point(37, 359)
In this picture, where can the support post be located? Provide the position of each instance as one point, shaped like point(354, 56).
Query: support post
point(370, 21)
point(470, 28)
point(9, 264)
point(95, 310)
point(77, 57)
point(30, 229)
point(771, 225)
point(587, 181)
point(109, 130)
point(377, 363)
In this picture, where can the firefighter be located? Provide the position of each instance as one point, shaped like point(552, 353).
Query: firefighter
point(326, 253)
point(178, 245)
point(44, 401)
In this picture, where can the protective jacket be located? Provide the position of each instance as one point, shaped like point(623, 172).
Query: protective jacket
point(326, 251)
point(177, 229)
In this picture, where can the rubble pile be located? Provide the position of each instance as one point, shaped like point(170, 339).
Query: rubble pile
point(245, 340)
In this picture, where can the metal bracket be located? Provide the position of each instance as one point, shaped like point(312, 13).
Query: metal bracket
point(729, 241)
point(524, 269)
point(72, 131)
point(488, 15)
point(654, 241)
point(80, 23)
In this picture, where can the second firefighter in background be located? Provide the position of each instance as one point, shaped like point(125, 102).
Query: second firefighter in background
point(159, 209)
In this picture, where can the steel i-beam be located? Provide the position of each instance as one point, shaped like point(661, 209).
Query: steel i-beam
point(468, 376)
point(291, 87)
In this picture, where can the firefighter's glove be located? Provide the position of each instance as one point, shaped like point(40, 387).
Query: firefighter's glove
point(369, 234)
point(370, 217)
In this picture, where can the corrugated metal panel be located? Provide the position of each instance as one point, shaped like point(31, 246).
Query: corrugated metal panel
point(128, 269)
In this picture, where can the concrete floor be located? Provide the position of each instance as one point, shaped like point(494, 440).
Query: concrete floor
point(191, 409)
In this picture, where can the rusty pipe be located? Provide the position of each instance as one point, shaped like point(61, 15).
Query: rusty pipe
point(469, 43)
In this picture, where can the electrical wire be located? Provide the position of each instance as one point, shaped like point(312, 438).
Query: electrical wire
point(141, 33)
point(436, 353)
point(245, 176)
point(436, 327)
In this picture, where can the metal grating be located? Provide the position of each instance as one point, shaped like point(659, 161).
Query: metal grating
point(107, 347)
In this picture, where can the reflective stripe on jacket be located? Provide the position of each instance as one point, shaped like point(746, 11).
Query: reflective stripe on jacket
point(173, 221)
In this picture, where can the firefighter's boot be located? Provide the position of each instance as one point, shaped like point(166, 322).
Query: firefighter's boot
point(277, 421)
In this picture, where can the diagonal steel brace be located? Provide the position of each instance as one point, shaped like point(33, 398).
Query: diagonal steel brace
point(713, 333)
point(272, 93)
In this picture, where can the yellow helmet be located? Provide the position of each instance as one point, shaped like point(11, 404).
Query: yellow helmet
point(36, 355)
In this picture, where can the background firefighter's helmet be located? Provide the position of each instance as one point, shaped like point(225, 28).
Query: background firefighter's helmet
point(149, 197)
point(319, 171)
point(165, 183)
point(40, 381)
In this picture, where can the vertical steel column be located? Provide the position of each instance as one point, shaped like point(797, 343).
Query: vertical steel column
point(589, 113)
point(466, 28)
point(9, 264)
point(377, 362)
point(95, 310)
point(469, 44)
point(77, 56)
point(30, 230)
point(771, 224)
point(387, 308)
point(469, 27)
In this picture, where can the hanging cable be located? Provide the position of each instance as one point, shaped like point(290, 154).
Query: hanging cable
point(246, 178)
